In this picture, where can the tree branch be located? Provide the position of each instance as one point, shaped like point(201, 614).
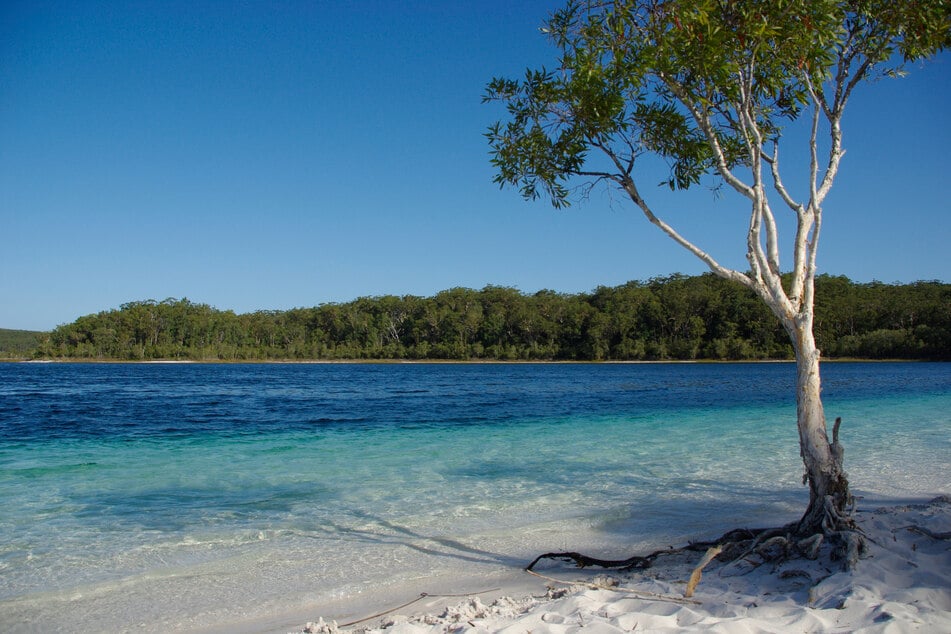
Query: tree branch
point(703, 122)
point(765, 263)
point(778, 181)
point(628, 185)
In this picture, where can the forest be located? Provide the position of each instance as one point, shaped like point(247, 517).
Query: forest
point(678, 317)
point(19, 343)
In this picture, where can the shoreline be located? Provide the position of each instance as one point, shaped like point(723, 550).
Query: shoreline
point(81, 361)
point(903, 583)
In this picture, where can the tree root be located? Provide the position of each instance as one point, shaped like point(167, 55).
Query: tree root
point(928, 533)
point(584, 561)
point(827, 526)
point(728, 543)
point(755, 547)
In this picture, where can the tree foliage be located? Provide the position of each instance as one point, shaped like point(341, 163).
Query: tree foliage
point(670, 318)
point(708, 86)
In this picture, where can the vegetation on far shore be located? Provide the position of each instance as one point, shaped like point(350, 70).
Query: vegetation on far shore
point(671, 318)
point(20, 343)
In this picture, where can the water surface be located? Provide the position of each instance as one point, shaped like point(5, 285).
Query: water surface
point(180, 496)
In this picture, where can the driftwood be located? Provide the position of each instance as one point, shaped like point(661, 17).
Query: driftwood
point(698, 571)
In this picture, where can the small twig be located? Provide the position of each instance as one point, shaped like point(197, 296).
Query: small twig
point(422, 595)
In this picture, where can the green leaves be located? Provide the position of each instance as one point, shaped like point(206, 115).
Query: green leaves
point(705, 84)
point(543, 143)
point(913, 29)
point(666, 131)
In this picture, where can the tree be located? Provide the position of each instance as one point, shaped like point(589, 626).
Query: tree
point(708, 86)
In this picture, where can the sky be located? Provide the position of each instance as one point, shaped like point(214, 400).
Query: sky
point(270, 155)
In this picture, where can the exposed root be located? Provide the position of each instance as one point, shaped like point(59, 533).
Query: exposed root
point(584, 561)
point(828, 526)
point(849, 548)
point(810, 546)
point(834, 519)
point(927, 533)
point(750, 547)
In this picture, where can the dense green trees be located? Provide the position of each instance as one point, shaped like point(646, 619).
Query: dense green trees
point(675, 318)
point(18, 343)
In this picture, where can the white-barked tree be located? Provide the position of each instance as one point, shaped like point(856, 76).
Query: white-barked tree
point(711, 87)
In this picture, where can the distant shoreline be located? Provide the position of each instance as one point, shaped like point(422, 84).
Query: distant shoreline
point(442, 361)
point(686, 318)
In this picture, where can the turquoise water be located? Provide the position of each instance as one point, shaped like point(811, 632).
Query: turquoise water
point(163, 497)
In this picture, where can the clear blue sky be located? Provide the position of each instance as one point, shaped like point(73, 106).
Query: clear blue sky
point(267, 155)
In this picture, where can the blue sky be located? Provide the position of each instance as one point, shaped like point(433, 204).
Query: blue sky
point(267, 155)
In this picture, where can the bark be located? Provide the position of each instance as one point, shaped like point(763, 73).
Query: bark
point(830, 501)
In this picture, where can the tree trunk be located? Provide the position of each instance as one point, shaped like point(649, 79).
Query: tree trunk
point(829, 496)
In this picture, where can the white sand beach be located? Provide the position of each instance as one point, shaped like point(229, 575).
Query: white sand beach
point(902, 584)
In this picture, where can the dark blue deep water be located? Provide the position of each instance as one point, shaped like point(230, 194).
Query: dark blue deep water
point(138, 401)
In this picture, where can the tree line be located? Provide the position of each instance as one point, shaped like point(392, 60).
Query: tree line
point(669, 318)
point(19, 343)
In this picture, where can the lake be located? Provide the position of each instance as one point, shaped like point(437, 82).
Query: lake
point(163, 497)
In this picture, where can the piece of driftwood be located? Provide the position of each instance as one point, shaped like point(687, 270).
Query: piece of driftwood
point(698, 571)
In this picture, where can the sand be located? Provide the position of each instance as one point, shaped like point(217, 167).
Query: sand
point(902, 584)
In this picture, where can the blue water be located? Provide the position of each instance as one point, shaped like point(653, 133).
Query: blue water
point(184, 496)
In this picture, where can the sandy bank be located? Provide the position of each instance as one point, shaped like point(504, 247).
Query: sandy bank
point(902, 585)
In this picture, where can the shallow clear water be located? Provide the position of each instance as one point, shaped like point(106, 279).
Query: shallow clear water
point(161, 496)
